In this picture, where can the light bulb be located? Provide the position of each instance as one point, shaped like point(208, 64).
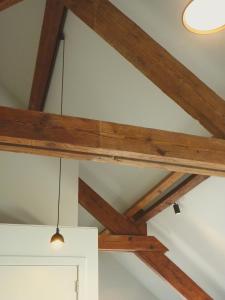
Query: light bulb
point(205, 16)
point(57, 240)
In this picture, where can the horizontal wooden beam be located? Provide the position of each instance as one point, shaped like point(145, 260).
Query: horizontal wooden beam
point(170, 198)
point(7, 3)
point(152, 60)
point(51, 33)
point(101, 210)
point(130, 243)
point(70, 137)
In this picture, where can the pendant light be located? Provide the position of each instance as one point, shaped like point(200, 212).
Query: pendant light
point(57, 240)
point(205, 16)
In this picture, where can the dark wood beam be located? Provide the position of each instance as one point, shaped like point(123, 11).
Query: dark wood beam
point(7, 3)
point(170, 198)
point(151, 59)
point(130, 243)
point(101, 210)
point(51, 33)
point(70, 137)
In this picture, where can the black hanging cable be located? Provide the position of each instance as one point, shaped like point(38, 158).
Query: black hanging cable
point(61, 111)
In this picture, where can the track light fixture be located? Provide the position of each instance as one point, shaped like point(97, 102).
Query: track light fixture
point(176, 208)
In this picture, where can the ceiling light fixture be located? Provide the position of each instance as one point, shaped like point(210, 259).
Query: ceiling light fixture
point(57, 240)
point(205, 16)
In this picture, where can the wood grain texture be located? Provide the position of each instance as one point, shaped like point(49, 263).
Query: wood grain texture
point(51, 33)
point(138, 208)
point(104, 213)
point(70, 137)
point(173, 274)
point(7, 3)
point(130, 243)
point(155, 192)
point(152, 60)
point(178, 192)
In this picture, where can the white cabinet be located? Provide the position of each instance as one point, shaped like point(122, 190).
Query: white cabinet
point(31, 269)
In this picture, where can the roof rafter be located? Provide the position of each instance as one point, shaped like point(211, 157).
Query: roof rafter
point(170, 198)
point(7, 3)
point(53, 23)
point(167, 182)
point(151, 59)
point(105, 214)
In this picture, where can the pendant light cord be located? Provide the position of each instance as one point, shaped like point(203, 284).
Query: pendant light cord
point(61, 112)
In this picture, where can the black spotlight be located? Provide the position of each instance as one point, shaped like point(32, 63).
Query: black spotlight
point(176, 208)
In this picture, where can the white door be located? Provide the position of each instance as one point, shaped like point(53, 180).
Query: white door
point(38, 282)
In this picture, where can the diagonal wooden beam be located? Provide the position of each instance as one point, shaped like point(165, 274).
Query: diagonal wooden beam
point(7, 3)
point(165, 184)
point(70, 137)
point(103, 212)
point(151, 59)
point(138, 208)
point(54, 19)
point(130, 243)
point(170, 198)
point(162, 265)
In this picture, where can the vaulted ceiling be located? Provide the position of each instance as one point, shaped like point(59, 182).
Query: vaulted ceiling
point(101, 84)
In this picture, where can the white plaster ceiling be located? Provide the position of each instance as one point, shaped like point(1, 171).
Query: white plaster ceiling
point(100, 84)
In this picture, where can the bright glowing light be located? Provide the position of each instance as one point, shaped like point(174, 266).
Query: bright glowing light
point(205, 16)
point(57, 244)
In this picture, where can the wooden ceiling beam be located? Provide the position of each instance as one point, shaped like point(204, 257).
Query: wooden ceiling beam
point(51, 33)
point(7, 3)
point(104, 213)
point(138, 208)
point(152, 60)
point(70, 137)
point(163, 266)
point(173, 196)
point(155, 192)
point(130, 243)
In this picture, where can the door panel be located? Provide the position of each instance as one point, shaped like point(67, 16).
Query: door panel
point(38, 282)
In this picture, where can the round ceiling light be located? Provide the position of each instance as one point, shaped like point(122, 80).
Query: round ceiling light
point(205, 16)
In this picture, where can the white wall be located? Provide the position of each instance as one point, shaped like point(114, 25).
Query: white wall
point(29, 183)
point(196, 236)
point(115, 282)
point(24, 241)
